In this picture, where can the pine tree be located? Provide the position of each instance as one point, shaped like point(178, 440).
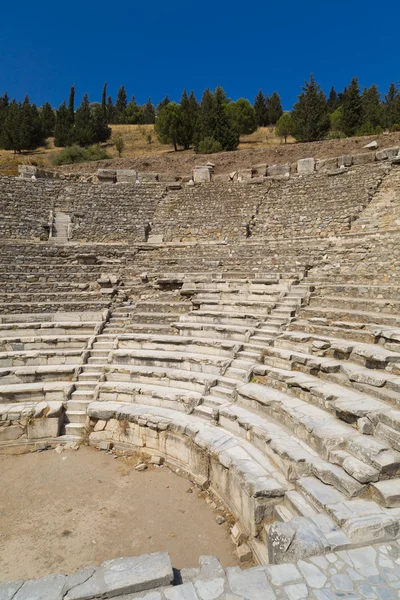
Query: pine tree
point(4, 103)
point(104, 100)
point(260, 109)
point(110, 110)
point(120, 106)
point(333, 100)
point(161, 104)
point(134, 112)
point(310, 113)
point(71, 104)
point(167, 124)
point(392, 106)
point(84, 132)
point(22, 127)
point(48, 119)
point(242, 115)
point(102, 132)
point(149, 113)
point(10, 134)
point(63, 131)
point(274, 108)
point(352, 108)
point(284, 126)
point(206, 122)
point(372, 109)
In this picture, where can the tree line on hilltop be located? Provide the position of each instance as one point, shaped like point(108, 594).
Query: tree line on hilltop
point(211, 125)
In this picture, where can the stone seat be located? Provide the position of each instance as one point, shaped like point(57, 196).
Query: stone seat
point(39, 357)
point(317, 427)
point(30, 420)
point(42, 342)
point(192, 361)
point(252, 307)
point(35, 392)
point(161, 306)
point(381, 305)
point(34, 374)
point(54, 305)
point(391, 292)
point(50, 328)
point(218, 347)
point(215, 330)
point(343, 314)
point(373, 382)
point(221, 318)
point(245, 479)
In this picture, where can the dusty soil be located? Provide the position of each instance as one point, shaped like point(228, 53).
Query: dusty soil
point(181, 163)
point(61, 512)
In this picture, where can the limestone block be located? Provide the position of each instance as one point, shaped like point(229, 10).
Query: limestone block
point(387, 493)
point(345, 160)
point(296, 539)
point(245, 174)
point(222, 177)
point(251, 584)
point(202, 174)
point(372, 529)
point(387, 153)
point(147, 177)
point(27, 171)
point(45, 588)
point(10, 433)
point(280, 171)
point(126, 175)
point(106, 175)
point(244, 553)
point(326, 164)
point(372, 145)
point(126, 576)
point(305, 166)
point(363, 158)
point(260, 170)
point(181, 592)
point(44, 428)
point(9, 589)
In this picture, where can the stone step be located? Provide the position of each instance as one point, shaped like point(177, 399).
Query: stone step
point(75, 416)
point(386, 306)
point(82, 394)
point(78, 405)
point(75, 429)
point(97, 360)
point(221, 392)
point(239, 374)
point(87, 384)
point(206, 412)
point(343, 314)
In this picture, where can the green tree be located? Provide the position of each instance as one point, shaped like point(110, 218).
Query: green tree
point(119, 144)
point(102, 132)
point(149, 113)
point(225, 132)
point(206, 121)
point(84, 132)
point(260, 110)
point(274, 108)
point(161, 104)
point(63, 131)
point(22, 127)
point(284, 126)
point(243, 115)
point(71, 104)
point(110, 110)
point(336, 121)
point(167, 125)
point(104, 101)
point(310, 113)
point(48, 119)
point(352, 108)
point(333, 100)
point(392, 106)
point(120, 105)
point(4, 104)
point(134, 113)
point(188, 109)
point(373, 114)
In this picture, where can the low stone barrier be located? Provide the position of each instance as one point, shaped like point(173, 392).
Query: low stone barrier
point(30, 421)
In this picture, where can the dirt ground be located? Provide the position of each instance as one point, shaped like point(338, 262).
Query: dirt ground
point(61, 512)
point(248, 155)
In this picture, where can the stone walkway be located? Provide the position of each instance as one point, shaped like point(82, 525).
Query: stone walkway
point(370, 572)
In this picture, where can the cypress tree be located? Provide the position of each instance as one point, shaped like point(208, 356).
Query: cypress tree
point(333, 100)
point(48, 119)
point(168, 124)
point(71, 104)
point(110, 110)
point(149, 113)
point(134, 112)
point(310, 113)
point(120, 106)
point(274, 108)
point(4, 103)
point(187, 120)
point(352, 108)
point(225, 132)
point(104, 100)
point(102, 132)
point(372, 109)
point(22, 128)
point(84, 132)
point(206, 122)
point(260, 109)
point(11, 131)
point(63, 131)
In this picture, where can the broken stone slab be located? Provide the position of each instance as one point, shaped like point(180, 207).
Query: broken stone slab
point(326, 164)
point(387, 492)
point(126, 175)
point(334, 172)
point(45, 588)
point(305, 166)
point(251, 584)
point(372, 145)
point(106, 175)
point(363, 158)
point(209, 590)
point(296, 539)
point(244, 553)
point(125, 576)
point(345, 160)
point(244, 174)
point(372, 529)
point(9, 589)
point(210, 567)
point(147, 177)
point(387, 153)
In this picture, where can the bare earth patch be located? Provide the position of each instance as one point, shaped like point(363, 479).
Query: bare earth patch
point(61, 512)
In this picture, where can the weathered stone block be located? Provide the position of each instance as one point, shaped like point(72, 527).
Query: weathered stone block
point(147, 177)
point(43, 428)
point(260, 170)
point(280, 171)
point(126, 175)
point(387, 153)
point(305, 166)
point(345, 160)
point(245, 174)
point(363, 158)
point(326, 164)
point(106, 175)
point(202, 174)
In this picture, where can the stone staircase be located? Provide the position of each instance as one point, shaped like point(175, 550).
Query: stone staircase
point(61, 227)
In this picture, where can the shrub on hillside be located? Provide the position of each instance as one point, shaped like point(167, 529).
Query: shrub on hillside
point(76, 154)
point(394, 128)
point(368, 129)
point(208, 146)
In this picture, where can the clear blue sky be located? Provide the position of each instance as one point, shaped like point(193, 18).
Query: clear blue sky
point(161, 47)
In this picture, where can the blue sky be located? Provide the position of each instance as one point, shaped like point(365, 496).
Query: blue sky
point(161, 47)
